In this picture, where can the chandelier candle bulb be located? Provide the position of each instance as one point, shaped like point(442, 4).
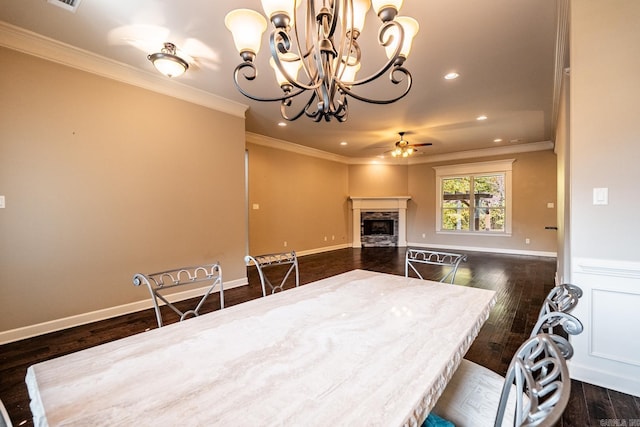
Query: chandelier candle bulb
point(317, 58)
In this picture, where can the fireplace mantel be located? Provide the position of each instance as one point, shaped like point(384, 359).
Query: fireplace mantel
point(393, 203)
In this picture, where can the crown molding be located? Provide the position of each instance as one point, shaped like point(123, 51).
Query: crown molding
point(31, 43)
point(485, 152)
point(279, 144)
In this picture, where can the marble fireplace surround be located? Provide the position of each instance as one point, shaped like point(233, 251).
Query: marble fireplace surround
point(379, 204)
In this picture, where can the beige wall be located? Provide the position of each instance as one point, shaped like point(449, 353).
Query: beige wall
point(378, 180)
point(302, 200)
point(534, 185)
point(103, 180)
point(604, 153)
point(605, 134)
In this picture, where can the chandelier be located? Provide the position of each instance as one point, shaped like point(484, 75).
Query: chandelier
point(325, 47)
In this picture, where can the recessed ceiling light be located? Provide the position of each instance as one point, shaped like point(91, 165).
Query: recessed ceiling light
point(497, 140)
point(282, 124)
point(480, 118)
point(451, 76)
point(343, 143)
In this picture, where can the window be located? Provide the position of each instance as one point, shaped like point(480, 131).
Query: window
point(474, 198)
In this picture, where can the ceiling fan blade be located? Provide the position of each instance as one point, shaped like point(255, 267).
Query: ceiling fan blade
point(424, 144)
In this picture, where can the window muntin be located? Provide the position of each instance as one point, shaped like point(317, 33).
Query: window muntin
point(474, 198)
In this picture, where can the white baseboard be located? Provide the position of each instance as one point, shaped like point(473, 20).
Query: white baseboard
point(483, 249)
point(587, 374)
point(107, 313)
point(323, 249)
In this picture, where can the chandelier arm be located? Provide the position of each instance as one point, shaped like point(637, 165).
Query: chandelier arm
point(404, 71)
point(342, 111)
point(309, 64)
point(302, 111)
point(391, 61)
point(250, 77)
point(283, 45)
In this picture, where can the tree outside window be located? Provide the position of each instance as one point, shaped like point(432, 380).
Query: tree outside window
point(474, 202)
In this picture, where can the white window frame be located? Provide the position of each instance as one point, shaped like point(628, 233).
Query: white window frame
point(469, 169)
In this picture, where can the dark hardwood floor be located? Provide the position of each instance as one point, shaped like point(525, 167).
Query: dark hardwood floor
point(521, 282)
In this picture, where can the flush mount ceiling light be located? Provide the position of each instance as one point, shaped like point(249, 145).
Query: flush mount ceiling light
point(167, 62)
point(324, 45)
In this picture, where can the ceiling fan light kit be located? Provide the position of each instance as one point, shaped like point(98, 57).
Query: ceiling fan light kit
point(404, 149)
point(168, 62)
point(324, 45)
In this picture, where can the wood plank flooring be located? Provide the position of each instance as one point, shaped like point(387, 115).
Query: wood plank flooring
point(521, 283)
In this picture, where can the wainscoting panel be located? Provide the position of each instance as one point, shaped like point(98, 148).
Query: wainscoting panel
point(611, 309)
point(607, 353)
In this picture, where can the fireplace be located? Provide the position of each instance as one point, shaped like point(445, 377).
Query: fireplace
point(379, 221)
point(372, 227)
point(379, 228)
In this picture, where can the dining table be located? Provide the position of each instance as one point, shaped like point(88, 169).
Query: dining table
point(360, 348)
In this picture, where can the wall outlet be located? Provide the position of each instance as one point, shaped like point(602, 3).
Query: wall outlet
point(325, 238)
point(2, 205)
point(333, 237)
point(424, 235)
point(285, 243)
point(527, 241)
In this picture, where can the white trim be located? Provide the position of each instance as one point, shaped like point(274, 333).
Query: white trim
point(603, 378)
point(608, 306)
point(323, 249)
point(474, 233)
point(608, 267)
point(106, 313)
point(485, 152)
point(475, 168)
point(504, 166)
point(484, 249)
point(21, 40)
point(379, 204)
point(279, 144)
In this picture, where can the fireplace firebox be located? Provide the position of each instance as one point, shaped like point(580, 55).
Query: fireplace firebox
point(377, 227)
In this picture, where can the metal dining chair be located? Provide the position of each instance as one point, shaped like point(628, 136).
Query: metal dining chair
point(5, 421)
point(273, 267)
point(534, 392)
point(159, 283)
point(448, 261)
point(554, 317)
point(562, 298)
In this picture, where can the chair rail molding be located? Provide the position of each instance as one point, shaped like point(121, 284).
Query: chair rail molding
point(608, 352)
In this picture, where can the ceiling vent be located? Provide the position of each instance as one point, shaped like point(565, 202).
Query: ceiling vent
point(70, 5)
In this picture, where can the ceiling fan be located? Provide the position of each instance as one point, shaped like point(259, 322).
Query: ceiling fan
point(404, 149)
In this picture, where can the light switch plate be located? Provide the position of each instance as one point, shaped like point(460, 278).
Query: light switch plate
point(600, 196)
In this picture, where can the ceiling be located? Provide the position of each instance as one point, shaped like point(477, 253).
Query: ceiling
point(504, 51)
